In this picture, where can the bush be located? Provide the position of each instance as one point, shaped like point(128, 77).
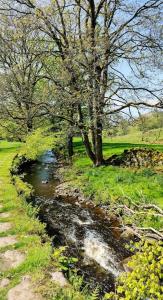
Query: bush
point(144, 281)
point(37, 143)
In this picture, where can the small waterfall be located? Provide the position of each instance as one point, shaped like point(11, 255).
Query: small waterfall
point(71, 235)
point(100, 252)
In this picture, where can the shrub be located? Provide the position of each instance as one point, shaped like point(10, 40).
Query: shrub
point(144, 281)
point(37, 143)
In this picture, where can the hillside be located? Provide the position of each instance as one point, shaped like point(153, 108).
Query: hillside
point(153, 136)
point(147, 128)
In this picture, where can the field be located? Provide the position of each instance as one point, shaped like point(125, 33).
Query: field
point(153, 136)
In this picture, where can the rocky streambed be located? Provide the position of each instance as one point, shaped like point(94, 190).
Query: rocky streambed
point(86, 230)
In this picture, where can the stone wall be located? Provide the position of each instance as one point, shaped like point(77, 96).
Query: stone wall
point(140, 157)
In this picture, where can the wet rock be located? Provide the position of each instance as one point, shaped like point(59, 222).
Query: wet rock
point(59, 279)
point(23, 291)
point(125, 264)
point(45, 181)
point(66, 190)
point(128, 233)
point(4, 282)
point(11, 259)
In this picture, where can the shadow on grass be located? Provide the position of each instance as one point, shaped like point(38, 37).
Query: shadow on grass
point(6, 147)
point(79, 147)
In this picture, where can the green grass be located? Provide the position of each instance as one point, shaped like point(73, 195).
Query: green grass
point(152, 136)
point(28, 230)
point(116, 185)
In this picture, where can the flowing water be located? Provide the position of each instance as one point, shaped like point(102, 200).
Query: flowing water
point(87, 234)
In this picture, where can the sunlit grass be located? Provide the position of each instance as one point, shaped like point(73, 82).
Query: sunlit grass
point(109, 184)
point(27, 229)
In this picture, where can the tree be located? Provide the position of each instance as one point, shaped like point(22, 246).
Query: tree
point(94, 39)
point(22, 73)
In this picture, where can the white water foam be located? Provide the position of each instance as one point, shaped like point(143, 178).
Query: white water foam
point(72, 235)
point(82, 222)
point(99, 251)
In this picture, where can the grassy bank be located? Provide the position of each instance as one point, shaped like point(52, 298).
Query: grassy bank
point(117, 185)
point(25, 227)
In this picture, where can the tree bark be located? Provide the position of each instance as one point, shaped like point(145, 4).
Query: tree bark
point(70, 145)
point(29, 125)
point(88, 148)
point(90, 107)
point(85, 136)
point(98, 145)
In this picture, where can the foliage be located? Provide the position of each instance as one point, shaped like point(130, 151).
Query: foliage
point(77, 75)
point(22, 188)
point(147, 127)
point(37, 143)
point(76, 291)
point(11, 131)
point(151, 136)
point(150, 121)
point(144, 281)
point(61, 261)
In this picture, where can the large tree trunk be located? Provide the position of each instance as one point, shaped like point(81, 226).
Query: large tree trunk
point(88, 146)
point(70, 145)
point(85, 136)
point(90, 107)
point(98, 114)
point(98, 145)
point(29, 125)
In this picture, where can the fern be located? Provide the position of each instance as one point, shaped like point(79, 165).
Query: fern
point(95, 295)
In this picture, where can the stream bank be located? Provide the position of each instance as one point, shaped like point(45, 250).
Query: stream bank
point(85, 229)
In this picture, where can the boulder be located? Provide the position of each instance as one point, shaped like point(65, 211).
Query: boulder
point(59, 279)
point(23, 291)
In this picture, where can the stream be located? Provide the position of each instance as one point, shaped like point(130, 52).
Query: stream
point(88, 235)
